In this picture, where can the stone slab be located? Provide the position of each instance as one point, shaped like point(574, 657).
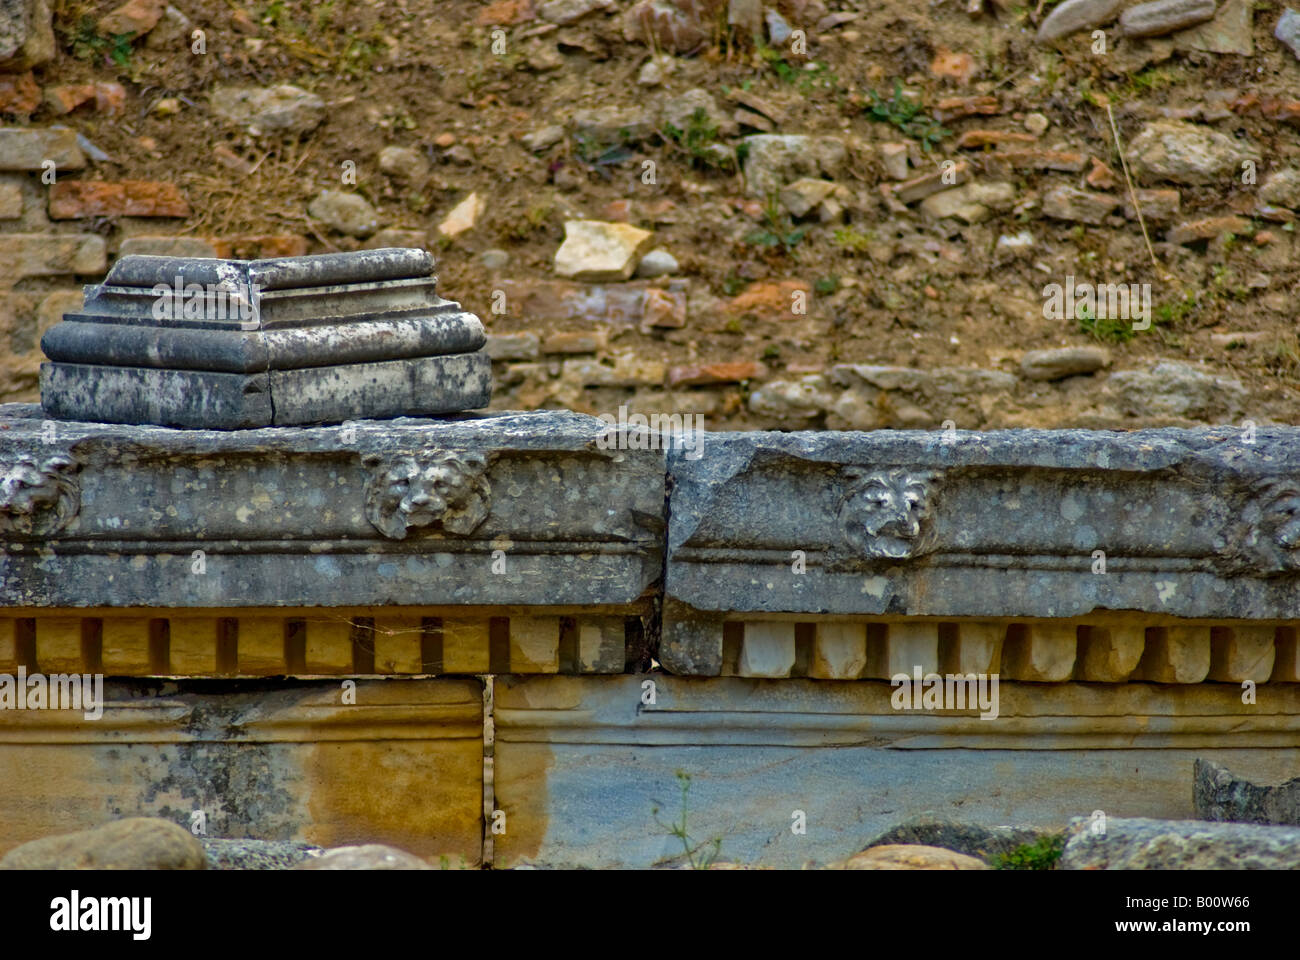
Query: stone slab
point(231, 307)
point(503, 509)
point(246, 351)
point(279, 273)
point(198, 399)
point(581, 762)
point(173, 398)
point(402, 765)
point(1028, 523)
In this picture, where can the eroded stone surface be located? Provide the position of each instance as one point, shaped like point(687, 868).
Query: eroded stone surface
point(1142, 844)
point(224, 854)
point(527, 486)
point(966, 837)
point(949, 523)
point(285, 765)
point(1221, 796)
point(232, 344)
point(579, 764)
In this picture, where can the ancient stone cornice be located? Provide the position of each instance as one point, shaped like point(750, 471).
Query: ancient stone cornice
point(495, 509)
point(1008, 523)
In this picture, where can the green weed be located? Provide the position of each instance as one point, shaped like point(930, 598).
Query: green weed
point(698, 856)
point(1042, 854)
point(905, 114)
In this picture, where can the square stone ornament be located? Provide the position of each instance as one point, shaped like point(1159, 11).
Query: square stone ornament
point(240, 344)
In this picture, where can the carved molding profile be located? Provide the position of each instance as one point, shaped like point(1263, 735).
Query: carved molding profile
point(884, 514)
point(432, 488)
point(38, 495)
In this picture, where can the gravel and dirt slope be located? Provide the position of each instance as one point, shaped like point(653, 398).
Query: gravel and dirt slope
point(888, 263)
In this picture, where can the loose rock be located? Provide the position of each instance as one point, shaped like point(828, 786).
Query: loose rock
point(611, 126)
point(799, 399)
point(657, 263)
point(267, 111)
point(403, 163)
point(972, 202)
point(1037, 124)
point(1220, 796)
point(568, 11)
point(971, 839)
point(1282, 188)
point(680, 112)
point(1207, 229)
point(1185, 153)
point(348, 213)
point(803, 196)
point(1170, 388)
point(494, 259)
point(1288, 30)
point(1074, 15)
point(1071, 203)
point(1063, 362)
point(773, 160)
point(1141, 844)
point(136, 843)
point(463, 216)
point(136, 17)
point(893, 157)
point(595, 250)
point(663, 26)
point(172, 30)
point(778, 31)
point(910, 856)
point(1164, 16)
point(371, 856)
point(543, 137)
point(1231, 31)
point(1158, 206)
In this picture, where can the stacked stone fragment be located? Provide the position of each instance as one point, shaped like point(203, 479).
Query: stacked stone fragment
point(231, 344)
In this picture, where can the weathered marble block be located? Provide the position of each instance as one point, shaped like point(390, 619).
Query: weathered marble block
point(582, 763)
point(397, 763)
point(1035, 525)
point(237, 344)
point(486, 511)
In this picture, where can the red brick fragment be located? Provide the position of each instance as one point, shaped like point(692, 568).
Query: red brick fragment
point(75, 199)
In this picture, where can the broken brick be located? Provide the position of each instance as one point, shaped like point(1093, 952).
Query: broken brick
point(973, 139)
point(1101, 177)
point(74, 199)
point(1003, 162)
point(66, 97)
point(1208, 229)
point(699, 375)
point(664, 308)
point(505, 13)
point(19, 94)
point(1158, 206)
point(918, 188)
point(954, 108)
point(770, 299)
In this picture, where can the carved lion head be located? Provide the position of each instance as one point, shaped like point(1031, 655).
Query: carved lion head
point(37, 496)
point(427, 489)
point(1279, 523)
point(883, 512)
